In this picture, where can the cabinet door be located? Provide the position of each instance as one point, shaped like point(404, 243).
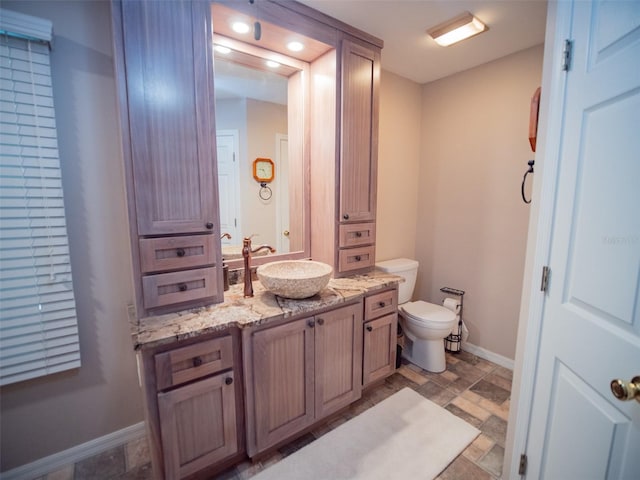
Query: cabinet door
point(338, 359)
point(379, 348)
point(169, 77)
point(198, 425)
point(359, 127)
point(283, 366)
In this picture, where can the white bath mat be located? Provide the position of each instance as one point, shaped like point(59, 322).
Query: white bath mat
point(405, 436)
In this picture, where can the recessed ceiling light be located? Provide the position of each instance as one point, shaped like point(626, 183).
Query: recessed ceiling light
point(459, 28)
point(240, 27)
point(272, 64)
point(223, 49)
point(295, 46)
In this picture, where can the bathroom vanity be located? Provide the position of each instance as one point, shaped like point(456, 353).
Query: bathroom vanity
point(247, 375)
point(226, 376)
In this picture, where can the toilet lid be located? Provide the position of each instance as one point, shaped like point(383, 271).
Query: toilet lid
point(428, 311)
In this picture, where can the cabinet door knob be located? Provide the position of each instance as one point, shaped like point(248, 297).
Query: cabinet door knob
point(358, 258)
point(311, 323)
point(182, 287)
point(209, 226)
point(382, 304)
point(358, 234)
point(345, 216)
point(180, 252)
point(197, 361)
point(321, 321)
point(228, 381)
point(369, 328)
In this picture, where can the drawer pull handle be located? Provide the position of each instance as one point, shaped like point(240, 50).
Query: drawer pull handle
point(197, 361)
point(369, 328)
point(182, 287)
point(321, 321)
point(382, 304)
point(180, 252)
point(358, 258)
point(209, 226)
point(228, 381)
point(345, 216)
point(311, 323)
point(358, 234)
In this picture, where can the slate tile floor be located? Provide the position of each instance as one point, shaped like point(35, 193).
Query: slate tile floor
point(471, 388)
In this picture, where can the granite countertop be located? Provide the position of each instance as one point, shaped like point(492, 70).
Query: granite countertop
point(243, 312)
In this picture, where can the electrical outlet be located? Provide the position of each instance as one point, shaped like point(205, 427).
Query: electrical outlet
point(131, 313)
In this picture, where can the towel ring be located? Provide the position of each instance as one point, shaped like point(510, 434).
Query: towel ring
point(265, 192)
point(530, 163)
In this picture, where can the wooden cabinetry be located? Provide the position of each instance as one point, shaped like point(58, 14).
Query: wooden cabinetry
point(359, 131)
point(165, 76)
point(347, 202)
point(380, 332)
point(194, 407)
point(198, 424)
point(300, 372)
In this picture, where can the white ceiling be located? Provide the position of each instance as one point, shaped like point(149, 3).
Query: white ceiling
point(408, 51)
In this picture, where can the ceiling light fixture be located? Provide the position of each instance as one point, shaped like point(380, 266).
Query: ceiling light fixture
point(240, 27)
point(295, 46)
point(459, 28)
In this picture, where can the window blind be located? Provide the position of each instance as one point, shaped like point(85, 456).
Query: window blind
point(38, 324)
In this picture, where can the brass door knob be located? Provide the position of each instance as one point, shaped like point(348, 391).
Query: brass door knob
point(286, 233)
point(626, 390)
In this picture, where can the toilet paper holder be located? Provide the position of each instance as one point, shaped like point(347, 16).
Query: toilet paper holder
point(453, 342)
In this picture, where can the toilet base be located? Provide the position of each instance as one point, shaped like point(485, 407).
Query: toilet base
point(427, 354)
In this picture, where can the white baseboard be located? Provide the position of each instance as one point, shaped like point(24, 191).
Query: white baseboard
point(75, 454)
point(488, 355)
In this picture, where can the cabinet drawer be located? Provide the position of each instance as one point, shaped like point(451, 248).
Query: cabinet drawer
point(357, 234)
point(356, 258)
point(194, 361)
point(175, 253)
point(380, 304)
point(169, 288)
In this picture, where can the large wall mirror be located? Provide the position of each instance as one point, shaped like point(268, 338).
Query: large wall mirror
point(261, 104)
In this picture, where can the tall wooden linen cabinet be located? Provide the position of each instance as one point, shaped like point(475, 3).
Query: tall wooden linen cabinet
point(344, 162)
point(163, 55)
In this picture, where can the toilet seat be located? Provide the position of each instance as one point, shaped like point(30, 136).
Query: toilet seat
point(427, 314)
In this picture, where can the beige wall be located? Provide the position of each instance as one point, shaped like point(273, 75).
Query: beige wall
point(471, 222)
point(398, 166)
point(44, 416)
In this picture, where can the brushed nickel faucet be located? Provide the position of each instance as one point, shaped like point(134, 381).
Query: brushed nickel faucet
point(246, 254)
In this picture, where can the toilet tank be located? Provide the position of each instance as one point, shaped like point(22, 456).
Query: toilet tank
point(403, 267)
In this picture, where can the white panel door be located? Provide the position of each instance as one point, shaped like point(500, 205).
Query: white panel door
point(591, 320)
point(229, 185)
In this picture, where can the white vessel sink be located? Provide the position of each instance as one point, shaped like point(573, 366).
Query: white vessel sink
point(294, 278)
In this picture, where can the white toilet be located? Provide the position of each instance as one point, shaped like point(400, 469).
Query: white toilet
point(425, 325)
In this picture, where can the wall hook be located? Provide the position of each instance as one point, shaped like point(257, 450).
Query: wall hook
point(530, 170)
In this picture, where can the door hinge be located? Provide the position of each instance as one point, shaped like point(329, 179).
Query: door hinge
point(234, 156)
point(545, 278)
point(566, 55)
point(235, 222)
point(522, 469)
